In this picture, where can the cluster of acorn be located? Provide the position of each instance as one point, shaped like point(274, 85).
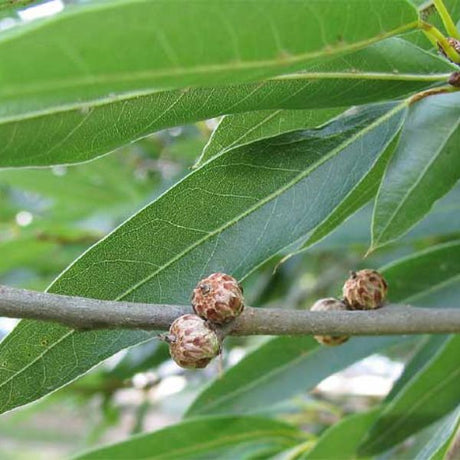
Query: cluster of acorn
point(218, 299)
point(363, 290)
point(193, 339)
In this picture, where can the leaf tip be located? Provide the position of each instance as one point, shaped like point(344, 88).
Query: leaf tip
point(371, 249)
point(281, 262)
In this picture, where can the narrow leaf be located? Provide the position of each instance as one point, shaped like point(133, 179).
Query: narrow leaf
point(229, 215)
point(424, 167)
point(88, 127)
point(204, 438)
point(236, 130)
point(431, 394)
point(176, 43)
point(414, 277)
point(278, 370)
point(423, 355)
point(442, 222)
point(379, 70)
point(358, 197)
point(342, 439)
point(443, 219)
point(439, 444)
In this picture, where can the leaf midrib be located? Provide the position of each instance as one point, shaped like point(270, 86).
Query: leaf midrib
point(330, 51)
point(131, 95)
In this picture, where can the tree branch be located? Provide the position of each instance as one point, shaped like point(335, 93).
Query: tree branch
point(82, 313)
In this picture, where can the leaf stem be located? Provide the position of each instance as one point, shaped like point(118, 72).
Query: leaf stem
point(439, 40)
point(429, 92)
point(89, 314)
point(447, 19)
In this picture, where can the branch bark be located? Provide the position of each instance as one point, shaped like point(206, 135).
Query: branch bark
point(85, 314)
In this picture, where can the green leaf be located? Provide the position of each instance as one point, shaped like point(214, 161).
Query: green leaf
point(342, 439)
point(426, 351)
point(205, 438)
point(429, 395)
point(236, 130)
point(176, 43)
point(441, 223)
point(358, 197)
point(429, 14)
point(278, 370)
point(285, 366)
point(414, 277)
point(439, 444)
point(443, 219)
point(382, 70)
point(453, 6)
point(86, 128)
point(229, 215)
point(424, 167)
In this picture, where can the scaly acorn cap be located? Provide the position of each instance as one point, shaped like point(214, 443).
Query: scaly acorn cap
point(365, 290)
point(192, 343)
point(218, 298)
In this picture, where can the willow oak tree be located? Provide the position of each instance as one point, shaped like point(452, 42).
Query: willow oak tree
point(328, 106)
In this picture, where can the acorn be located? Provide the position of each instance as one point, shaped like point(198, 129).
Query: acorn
point(192, 342)
point(365, 290)
point(218, 298)
point(330, 304)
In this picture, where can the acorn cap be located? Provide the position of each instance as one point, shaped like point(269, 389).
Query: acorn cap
point(365, 290)
point(218, 298)
point(192, 343)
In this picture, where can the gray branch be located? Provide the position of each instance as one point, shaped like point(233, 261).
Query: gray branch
point(83, 313)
